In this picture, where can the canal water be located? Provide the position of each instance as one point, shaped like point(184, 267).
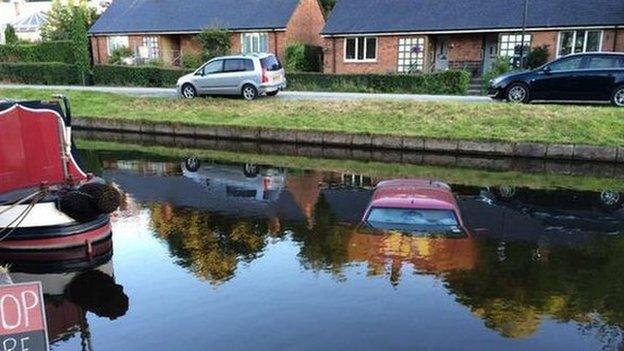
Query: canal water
point(243, 255)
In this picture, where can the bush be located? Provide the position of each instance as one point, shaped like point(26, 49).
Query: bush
point(118, 55)
point(537, 57)
point(39, 73)
point(216, 42)
point(53, 51)
point(501, 66)
point(9, 35)
point(144, 76)
point(192, 61)
point(447, 82)
point(304, 58)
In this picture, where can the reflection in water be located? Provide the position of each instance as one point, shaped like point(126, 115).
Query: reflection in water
point(529, 256)
point(69, 295)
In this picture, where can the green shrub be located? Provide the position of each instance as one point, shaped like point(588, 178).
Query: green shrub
point(192, 61)
point(118, 55)
point(537, 57)
point(447, 82)
point(501, 66)
point(52, 51)
point(9, 35)
point(143, 76)
point(48, 73)
point(80, 45)
point(216, 42)
point(304, 58)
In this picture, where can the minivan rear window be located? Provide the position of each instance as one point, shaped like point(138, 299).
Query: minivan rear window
point(271, 63)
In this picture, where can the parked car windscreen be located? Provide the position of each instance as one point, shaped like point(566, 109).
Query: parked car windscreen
point(271, 63)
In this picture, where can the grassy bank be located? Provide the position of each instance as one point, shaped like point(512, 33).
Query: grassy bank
point(596, 125)
point(453, 175)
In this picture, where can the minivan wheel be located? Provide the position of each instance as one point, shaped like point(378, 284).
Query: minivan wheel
point(188, 91)
point(618, 96)
point(518, 93)
point(249, 92)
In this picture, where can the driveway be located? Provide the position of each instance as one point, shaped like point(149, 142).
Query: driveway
point(286, 95)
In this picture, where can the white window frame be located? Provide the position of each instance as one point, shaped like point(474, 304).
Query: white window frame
point(152, 47)
point(527, 43)
point(119, 42)
point(411, 57)
point(576, 31)
point(254, 35)
point(364, 60)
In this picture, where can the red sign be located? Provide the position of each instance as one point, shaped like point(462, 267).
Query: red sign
point(22, 318)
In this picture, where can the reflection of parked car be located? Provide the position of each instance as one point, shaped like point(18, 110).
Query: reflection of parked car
point(587, 77)
point(245, 181)
point(245, 75)
point(416, 207)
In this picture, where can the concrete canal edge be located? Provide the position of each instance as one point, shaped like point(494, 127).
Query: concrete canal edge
point(352, 140)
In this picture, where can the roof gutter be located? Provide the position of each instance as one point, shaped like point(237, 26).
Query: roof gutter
point(182, 32)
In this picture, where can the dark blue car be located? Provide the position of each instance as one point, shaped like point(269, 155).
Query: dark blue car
point(577, 77)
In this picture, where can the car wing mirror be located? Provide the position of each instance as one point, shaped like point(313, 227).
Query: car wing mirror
point(547, 70)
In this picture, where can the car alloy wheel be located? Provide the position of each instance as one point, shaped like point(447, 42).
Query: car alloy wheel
point(188, 91)
point(192, 164)
point(610, 198)
point(517, 93)
point(249, 92)
point(618, 97)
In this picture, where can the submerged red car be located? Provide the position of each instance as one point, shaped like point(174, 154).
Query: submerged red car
point(414, 206)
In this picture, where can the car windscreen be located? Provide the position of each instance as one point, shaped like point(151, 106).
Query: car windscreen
point(414, 220)
point(271, 63)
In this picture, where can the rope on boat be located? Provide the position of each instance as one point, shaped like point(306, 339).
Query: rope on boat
point(21, 201)
point(15, 223)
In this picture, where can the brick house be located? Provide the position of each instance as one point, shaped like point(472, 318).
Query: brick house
point(166, 29)
point(400, 36)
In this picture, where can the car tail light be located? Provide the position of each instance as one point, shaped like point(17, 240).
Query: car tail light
point(265, 75)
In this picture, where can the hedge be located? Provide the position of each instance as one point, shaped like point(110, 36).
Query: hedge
point(304, 58)
point(142, 76)
point(49, 73)
point(54, 51)
point(447, 82)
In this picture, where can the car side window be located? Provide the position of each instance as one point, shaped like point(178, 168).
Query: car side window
point(249, 65)
point(567, 64)
point(213, 67)
point(604, 62)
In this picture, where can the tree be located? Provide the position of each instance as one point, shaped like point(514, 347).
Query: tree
point(80, 44)
point(328, 5)
point(216, 42)
point(9, 35)
point(60, 18)
point(537, 57)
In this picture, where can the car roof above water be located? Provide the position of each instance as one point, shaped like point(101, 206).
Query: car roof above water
point(244, 56)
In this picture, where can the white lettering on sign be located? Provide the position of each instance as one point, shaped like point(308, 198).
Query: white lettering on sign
point(5, 323)
point(27, 307)
point(11, 344)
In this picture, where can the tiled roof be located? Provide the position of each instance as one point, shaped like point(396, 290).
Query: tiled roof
point(164, 16)
point(379, 16)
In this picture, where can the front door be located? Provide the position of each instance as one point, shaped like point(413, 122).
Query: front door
point(490, 52)
point(441, 59)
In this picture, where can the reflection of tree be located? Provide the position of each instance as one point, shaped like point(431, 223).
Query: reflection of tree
point(582, 284)
point(207, 244)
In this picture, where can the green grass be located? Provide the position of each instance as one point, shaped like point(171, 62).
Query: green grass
point(595, 125)
point(453, 175)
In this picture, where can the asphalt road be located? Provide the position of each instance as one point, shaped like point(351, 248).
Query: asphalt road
point(287, 95)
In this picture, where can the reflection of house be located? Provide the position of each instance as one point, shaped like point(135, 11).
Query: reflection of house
point(166, 29)
point(430, 255)
point(388, 36)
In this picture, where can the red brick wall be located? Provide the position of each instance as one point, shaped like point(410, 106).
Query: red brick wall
point(610, 38)
point(546, 38)
point(306, 24)
point(387, 57)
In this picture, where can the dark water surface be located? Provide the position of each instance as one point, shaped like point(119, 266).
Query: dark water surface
point(248, 257)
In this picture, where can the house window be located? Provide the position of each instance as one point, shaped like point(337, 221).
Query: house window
point(117, 42)
point(510, 45)
point(152, 48)
point(254, 42)
point(574, 41)
point(360, 49)
point(411, 55)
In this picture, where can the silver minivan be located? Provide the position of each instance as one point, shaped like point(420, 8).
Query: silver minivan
point(249, 76)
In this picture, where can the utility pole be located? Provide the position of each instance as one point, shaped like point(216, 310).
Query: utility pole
point(524, 24)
